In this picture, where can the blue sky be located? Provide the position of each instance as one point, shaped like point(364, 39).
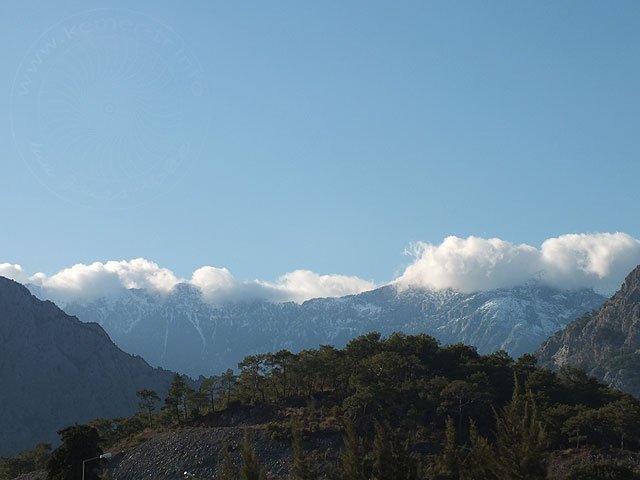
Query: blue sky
point(327, 136)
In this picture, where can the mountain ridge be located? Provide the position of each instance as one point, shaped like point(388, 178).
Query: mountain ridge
point(56, 370)
point(606, 343)
point(183, 332)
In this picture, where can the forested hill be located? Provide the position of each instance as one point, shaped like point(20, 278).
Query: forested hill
point(400, 407)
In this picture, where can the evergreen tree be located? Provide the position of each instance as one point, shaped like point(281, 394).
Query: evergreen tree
point(623, 418)
point(227, 382)
point(79, 443)
point(280, 364)
point(391, 458)
point(448, 465)
point(351, 458)
point(300, 468)
point(177, 396)
point(478, 463)
point(252, 370)
point(520, 440)
point(576, 426)
point(147, 401)
point(208, 388)
point(251, 468)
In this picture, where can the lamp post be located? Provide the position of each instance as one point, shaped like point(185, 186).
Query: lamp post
point(99, 457)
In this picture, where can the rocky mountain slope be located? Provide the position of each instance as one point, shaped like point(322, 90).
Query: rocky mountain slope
point(605, 344)
point(183, 332)
point(56, 370)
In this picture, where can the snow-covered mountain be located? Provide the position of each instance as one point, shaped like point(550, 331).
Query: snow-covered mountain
point(182, 332)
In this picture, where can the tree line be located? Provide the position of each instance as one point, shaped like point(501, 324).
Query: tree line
point(409, 408)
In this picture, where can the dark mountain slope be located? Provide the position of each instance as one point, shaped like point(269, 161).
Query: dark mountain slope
point(56, 370)
point(606, 343)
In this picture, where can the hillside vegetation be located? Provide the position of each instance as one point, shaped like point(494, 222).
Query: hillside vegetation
point(400, 407)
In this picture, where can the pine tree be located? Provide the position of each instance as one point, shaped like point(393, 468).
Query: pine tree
point(251, 468)
point(300, 468)
point(477, 465)
point(227, 382)
point(449, 463)
point(208, 389)
point(520, 440)
point(79, 442)
point(384, 459)
point(351, 458)
point(147, 401)
point(176, 400)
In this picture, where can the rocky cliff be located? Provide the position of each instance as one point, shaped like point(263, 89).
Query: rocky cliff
point(606, 343)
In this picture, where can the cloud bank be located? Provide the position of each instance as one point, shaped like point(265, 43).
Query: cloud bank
point(599, 261)
point(83, 282)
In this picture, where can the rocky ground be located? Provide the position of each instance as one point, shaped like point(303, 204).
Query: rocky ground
point(198, 449)
point(38, 475)
point(167, 455)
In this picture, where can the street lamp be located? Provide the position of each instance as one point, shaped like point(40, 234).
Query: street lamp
point(99, 457)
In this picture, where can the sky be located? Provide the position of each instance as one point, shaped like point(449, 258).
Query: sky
point(330, 138)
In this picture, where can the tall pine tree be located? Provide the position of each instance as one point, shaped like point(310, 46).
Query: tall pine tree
point(300, 468)
point(478, 463)
point(448, 465)
point(351, 458)
point(251, 468)
point(520, 440)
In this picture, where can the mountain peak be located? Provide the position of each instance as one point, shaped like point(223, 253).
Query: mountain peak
point(13, 289)
point(631, 284)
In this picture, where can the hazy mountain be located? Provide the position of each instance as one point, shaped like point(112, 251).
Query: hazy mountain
point(56, 370)
point(183, 332)
point(606, 343)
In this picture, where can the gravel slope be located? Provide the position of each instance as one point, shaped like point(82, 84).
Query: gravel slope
point(167, 455)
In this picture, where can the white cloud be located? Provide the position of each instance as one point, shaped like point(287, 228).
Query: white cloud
point(141, 273)
point(83, 282)
point(598, 261)
point(215, 283)
point(14, 272)
point(470, 264)
point(301, 285)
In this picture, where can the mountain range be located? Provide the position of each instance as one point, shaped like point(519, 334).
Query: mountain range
point(56, 370)
point(183, 332)
point(606, 343)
